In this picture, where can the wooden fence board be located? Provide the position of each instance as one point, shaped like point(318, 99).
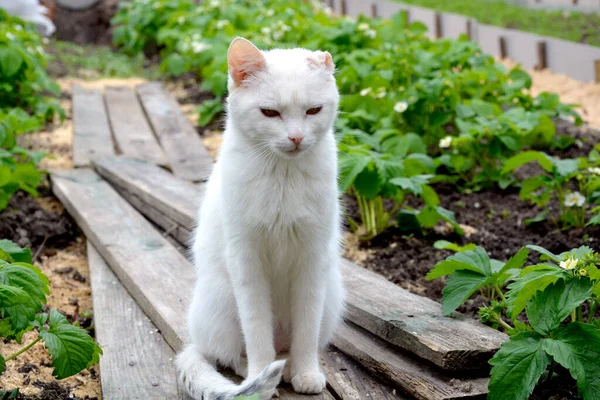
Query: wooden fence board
point(403, 318)
point(187, 155)
point(137, 363)
point(91, 131)
point(130, 127)
point(414, 376)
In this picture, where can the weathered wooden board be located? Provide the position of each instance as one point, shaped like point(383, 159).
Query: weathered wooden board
point(416, 323)
point(152, 270)
point(350, 381)
point(137, 362)
point(174, 198)
point(131, 129)
point(417, 377)
point(91, 131)
point(405, 319)
point(187, 156)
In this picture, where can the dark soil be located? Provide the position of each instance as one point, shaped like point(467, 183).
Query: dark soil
point(91, 26)
point(53, 391)
point(28, 224)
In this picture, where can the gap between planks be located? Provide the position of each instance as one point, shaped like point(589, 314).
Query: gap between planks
point(410, 321)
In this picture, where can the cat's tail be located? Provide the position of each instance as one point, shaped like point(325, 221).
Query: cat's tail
point(203, 381)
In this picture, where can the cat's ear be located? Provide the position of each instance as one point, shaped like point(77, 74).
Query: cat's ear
point(321, 59)
point(244, 59)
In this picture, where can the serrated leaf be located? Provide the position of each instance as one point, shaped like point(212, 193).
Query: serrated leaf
point(26, 279)
point(540, 217)
point(476, 260)
point(545, 252)
point(517, 367)
point(550, 307)
point(525, 287)
point(350, 166)
point(367, 183)
point(71, 347)
point(414, 184)
point(446, 245)
point(515, 261)
point(459, 287)
point(577, 348)
point(16, 253)
point(18, 306)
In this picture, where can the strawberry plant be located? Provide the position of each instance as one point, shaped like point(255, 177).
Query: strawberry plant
point(574, 183)
point(23, 290)
point(553, 294)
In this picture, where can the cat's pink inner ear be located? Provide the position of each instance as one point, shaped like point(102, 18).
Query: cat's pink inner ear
point(244, 59)
point(328, 61)
point(320, 59)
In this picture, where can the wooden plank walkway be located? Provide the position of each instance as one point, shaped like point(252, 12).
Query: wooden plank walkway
point(91, 131)
point(187, 155)
point(403, 318)
point(156, 275)
point(137, 363)
point(131, 130)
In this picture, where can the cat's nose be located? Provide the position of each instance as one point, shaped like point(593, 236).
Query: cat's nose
point(296, 139)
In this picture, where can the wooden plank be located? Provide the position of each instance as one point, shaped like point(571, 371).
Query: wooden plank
point(374, 13)
point(137, 253)
point(414, 376)
point(175, 198)
point(131, 129)
point(402, 318)
point(597, 70)
point(187, 155)
point(438, 25)
point(91, 131)
point(416, 323)
point(153, 271)
point(502, 44)
point(542, 58)
point(350, 380)
point(137, 362)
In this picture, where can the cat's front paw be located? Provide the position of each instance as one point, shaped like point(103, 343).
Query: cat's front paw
point(309, 383)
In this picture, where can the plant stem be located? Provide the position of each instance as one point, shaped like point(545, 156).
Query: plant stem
point(573, 316)
point(499, 291)
point(579, 314)
point(504, 324)
point(24, 349)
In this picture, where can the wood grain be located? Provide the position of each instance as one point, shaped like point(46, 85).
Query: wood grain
point(91, 131)
point(152, 270)
point(187, 156)
point(131, 129)
point(137, 363)
point(414, 376)
point(416, 323)
point(175, 198)
point(413, 322)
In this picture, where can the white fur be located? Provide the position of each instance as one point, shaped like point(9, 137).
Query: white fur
point(266, 248)
point(32, 11)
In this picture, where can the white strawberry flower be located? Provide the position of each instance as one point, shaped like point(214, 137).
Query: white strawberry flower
point(222, 23)
point(265, 30)
point(574, 199)
point(445, 142)
point(363, 26)
point(595, 170)
point(366, 91)
point(400, 107)
point(371, 33)
point(570, 263)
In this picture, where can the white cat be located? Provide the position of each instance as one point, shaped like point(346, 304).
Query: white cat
point(266, 248)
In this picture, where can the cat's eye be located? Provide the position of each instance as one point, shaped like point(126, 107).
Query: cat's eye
point(267, 112)
point(314, 110)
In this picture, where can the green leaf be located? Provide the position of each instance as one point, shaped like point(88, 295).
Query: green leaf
point(414, 184)
point(476, 260)
point(10, 61)
point(540, 217)
point(459, 287)
point(550, 255)
point(525, 157)
point(2, 364)
point(208, 110)
point(525, 287)
point(255, 396)
point(430, 197)
point(18, 306)
point(515, 261)
point(17, 254)
point(595, 220)
point(517, 367)
point(350, 166)
point(71, 347)
point(446, 245)
point(174, 64)
point(549, 308)
point(367, 183)
point(577, 348)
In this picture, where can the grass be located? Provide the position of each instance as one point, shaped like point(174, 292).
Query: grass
point(94, 62)
point(568, 25)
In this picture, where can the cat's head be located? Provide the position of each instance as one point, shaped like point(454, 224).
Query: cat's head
point(285, 100)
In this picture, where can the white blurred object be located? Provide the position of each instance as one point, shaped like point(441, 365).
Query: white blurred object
point(32, 11)
point(77, 4)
